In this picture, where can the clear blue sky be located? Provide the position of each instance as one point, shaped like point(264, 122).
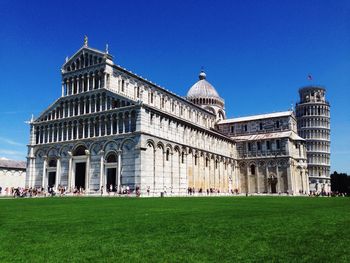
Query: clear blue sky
point(256, 53)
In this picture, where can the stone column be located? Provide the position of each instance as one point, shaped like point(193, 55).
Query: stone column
point(62, 89)
point(307, 185)
point(52, 130)
point(68, 87)
point(302, 180)
point(87, 171)
point(88, 83)
point(67, 131)
point(105, 80)
point(82, 84)
point(78, 85)
point(68, 109)
point(32, 172)
point(73, 108)
point(102, 183)
point(278, 179)
point(238, 175)
point(129, 116)
point(72, 131)
point(99, 126)
point(58, 173)
point(123, 122)
point(257, 178)
point(73, 86)
point(84, 108)
point(290, 180)
point(44, 173)
point(111, 125)
point(248, 179)
point(98, 81)
point(119, 169)
point(52, 133)
point(83, 129)
point(79, 106)
point(49, 134)
point(89, 129)
point(70, 172)
point(268, 190)
point(105, 124)
point(63, 110)
point(93, 81)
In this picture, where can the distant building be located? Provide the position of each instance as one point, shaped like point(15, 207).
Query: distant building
point(112, 128)
point(271, 157)
point(12, 174)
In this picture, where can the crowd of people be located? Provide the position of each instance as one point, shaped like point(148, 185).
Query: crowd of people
point(328, 194)
point(208, 191)
point(23, 192)
point(127, 191)
point(64, 191)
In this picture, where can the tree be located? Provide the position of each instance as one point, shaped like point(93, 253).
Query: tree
point(340, 182)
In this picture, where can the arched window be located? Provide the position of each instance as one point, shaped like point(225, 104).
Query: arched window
point(277, 124)
point(182, 157)
point(167, 155)
point(252, 169)
point(111, 158)
point(53, 163)
point(123, 85)
point(80, 151)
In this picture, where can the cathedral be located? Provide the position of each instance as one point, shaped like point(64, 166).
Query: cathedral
point(112, 129)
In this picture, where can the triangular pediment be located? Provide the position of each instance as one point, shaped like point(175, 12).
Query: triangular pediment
point(85, 57)
point(120, 100)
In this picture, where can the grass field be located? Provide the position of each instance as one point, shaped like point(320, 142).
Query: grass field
point(229, 229)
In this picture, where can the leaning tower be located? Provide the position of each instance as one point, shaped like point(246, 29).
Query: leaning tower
point(313, 116)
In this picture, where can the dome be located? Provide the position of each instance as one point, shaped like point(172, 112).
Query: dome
point(202, 89)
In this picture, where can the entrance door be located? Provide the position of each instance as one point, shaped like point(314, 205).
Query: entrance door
point(52, 179)
point(273, 187)
point(80, 175)
point(111, 178)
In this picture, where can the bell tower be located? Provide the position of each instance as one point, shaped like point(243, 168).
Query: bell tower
point(313, 117)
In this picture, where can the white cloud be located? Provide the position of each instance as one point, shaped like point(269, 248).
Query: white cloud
point(11, 154)
point(10, 142)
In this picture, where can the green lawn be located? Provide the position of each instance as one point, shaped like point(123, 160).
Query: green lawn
point(229, 229)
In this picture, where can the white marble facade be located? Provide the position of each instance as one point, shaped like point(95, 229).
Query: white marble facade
point(111, 126)
point(12, 174)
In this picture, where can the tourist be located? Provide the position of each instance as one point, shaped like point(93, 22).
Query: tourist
point(148, 190)
point(138, 192)
point(101, 190)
